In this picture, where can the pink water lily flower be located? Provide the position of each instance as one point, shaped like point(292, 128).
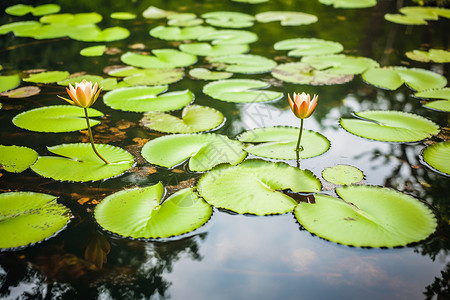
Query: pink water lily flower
point(302, 105)
point(83, 95)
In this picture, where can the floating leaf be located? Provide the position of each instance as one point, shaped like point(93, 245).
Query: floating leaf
point(194, 118)
point(22, 92)
point(302, 73)
point(287, 18)
point(56, 118)
point(144, 98)
point(184, 19)
point(229, 37)
point(47, 77)
point(253, 187)
point(392, 78)
point(441, 105)
point(73, 19)
point(205, 74)
point(390, 126)
point(93, 51)
point(93, 33)
point(437, 157)
point(341, 64)
point(16, 158)
point(434, 55)
point(135, 76)
point(163, 59)
point(173, 33)
point(417, 15)
point(230, 19)
point(153, 12)
point(240, 91)
point(20, 28)
point(350, 3)
point(9, 82)
point(139, 213)
point(243, 63)
point(204, 151)
point(122, 15)
point(205, 49)
point(74, 79)
point(368, 216)
point(279, 142)
point(405, 20)
point(443, 93)
point(308, 46)
point(78, 162)
point(29, 218)
point(343, 175)
point(40, 10)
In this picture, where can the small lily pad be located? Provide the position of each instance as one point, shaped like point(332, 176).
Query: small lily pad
point(93, 51)
point(162, 59)
point(368, 216)
point(229, 37)
point(135, 76)
point(40, 10)
point(350, 3)
point(56, 118)
point(230, 19)
point(343, 175)
point(308, 46)
point(92, 33)
point(16, 158)
point(279, 142)
point(74, 79)
point(29, 218)
point(390, 126)
point(204, 151)
point(152, 12)
point(21, 28)
point(302, 73)
point(205, 74)
point(417, 15)
point(437, 157)
point(123, 15)
point(141, 213)
point(194, 118)
point(433, 55)
point(72, 19)
point(22, 92)
point(243, 63)
point(145, 98)
point(287, 18)
point(78, 162)
point(240, 91)
point(254, 187)
point(341, 64)
point(174, 33)
point(205, 49)
point(9, 82)
point(47, 77)
point(184, 20)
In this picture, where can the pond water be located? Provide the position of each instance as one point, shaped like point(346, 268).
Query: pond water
point(232, 256)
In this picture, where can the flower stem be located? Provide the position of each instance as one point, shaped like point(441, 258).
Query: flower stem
point(91, 139)
point(299, 147)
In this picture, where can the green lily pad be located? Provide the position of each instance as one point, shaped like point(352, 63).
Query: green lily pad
point(174, 33)
point(139, 213)
point(287, 18)
point(368, 216)
point(240, 91)
point(350, 3)
point(443, 93)
point(441, 105)
point(47, 77)
point(134, 76)
point(29, 218)
point(93, 51)
point(145, 98)
point(93, 33)
point(279, 142)
point(205, 74)
point(22, 92)
point(16, 159)
point(390, 126)
point(40, 10)
point(433, 55)
point(205, 49)
point(153, 12)
point(123, 15)
point(302, 73)
point(162, 59)
point(194, 118)
point(21, 28)
point(229, 37)
point(204, 151)
point(437, 156)
point(254, 187)
point(72, 19)
point(74, 79)
point(184, 20)
point(308, 46)
point(341, 64)
point(417, 15)
point(243, 63)
point(230, 19)
point(9, 82)
point(405, 20)
point(56, 118)
point(78, 162)
point(392, 78)
point(343, 175)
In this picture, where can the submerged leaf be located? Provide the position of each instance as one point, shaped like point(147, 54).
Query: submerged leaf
point(16, 158)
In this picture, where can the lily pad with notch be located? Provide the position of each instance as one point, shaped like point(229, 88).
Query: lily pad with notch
point(9, 82)
point(47, 77)
point(243, 63)
point(184, 20)
point(162, 59)
point(22, 92)
point(40, 10)
point(437, 156)
point(308, 46)
point(287, 18)
point(255, 187)
point(342, 175)
point(16, 159)
point(341, 64)
point(231, 19)
point(367, 216)
point(136, 76)
point(205, 49)
point(350, 3)
point(142, 212)
point(229, 37)
point(441, 105)
point(432, 55)
point(77, 162)
point(205, 74)
point(175, 33)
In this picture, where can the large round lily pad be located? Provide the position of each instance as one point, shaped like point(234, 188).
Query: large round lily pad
point(16, 158)
point(437, 157)
point(279, 142)
point(308, 46)
point(230, 19)
point(145, 98)
point(78, 162)
point(243, 63)
point(194, 118)
point(240, 91)
point(139, 213)
point(204, 151)
point(56, 118)
point(390, 126)
point(341, 64)
point(163, 59)
point(368, 216)
point(28, 218)
point(254, 187)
